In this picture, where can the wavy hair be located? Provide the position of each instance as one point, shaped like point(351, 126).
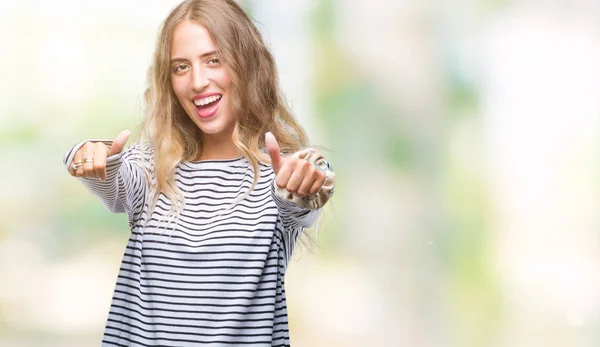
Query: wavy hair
point(259, 103)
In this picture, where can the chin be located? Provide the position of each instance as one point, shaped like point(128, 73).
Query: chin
point(212, 130)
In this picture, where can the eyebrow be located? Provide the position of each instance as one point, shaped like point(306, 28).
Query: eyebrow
point(203, 55)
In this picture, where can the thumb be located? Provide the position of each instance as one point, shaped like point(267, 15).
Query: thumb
point(119, 142)
point(273, 149)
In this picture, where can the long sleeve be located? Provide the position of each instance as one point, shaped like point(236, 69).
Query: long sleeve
point(293, 216)
point(304, 211)
point(124, 189)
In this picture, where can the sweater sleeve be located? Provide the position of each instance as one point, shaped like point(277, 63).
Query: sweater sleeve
point(125, 187)
point(303, 211)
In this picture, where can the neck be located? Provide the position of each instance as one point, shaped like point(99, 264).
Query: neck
point(218, 148)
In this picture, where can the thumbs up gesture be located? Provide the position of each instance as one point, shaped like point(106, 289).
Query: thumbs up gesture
point(90, 159)
point(298, 176)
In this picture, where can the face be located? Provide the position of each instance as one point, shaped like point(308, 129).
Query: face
point(200, 81)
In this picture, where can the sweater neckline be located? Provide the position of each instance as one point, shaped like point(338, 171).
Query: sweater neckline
point(215, 163)
point(216, 160)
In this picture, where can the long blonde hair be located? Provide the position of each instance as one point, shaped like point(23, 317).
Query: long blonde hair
point(259, 103)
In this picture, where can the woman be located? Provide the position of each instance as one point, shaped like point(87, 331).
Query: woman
point(217, 189)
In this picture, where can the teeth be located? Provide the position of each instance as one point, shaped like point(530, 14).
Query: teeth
point(206, 101)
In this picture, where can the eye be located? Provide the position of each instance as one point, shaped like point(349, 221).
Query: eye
point(180, 68)
point(214, 61)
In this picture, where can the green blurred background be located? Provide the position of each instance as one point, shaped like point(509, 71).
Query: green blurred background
point(464, 134)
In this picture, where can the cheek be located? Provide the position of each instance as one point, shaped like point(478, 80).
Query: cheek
point(225, 80)
point(178, 88)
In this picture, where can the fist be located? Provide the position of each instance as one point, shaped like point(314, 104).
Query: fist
point(298, 176)
point(90, 159)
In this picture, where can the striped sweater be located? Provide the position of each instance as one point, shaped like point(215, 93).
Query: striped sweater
point(214, 279)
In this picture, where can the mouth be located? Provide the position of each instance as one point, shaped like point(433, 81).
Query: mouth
point(208, 106)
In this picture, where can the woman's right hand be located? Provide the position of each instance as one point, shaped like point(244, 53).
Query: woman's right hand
point(90, 159)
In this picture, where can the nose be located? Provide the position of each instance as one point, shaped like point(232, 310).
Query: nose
point(199, 79)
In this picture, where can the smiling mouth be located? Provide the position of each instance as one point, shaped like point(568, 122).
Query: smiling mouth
point(207, 102)
point(208, 107)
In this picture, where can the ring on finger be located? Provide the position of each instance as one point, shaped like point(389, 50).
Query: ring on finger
point(88, 160)
point(76, 165)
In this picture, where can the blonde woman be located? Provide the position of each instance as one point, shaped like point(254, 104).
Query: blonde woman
point(218, 188)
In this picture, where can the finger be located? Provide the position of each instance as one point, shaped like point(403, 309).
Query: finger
point(285, 172)
point(312, 176)
point(119, 142)
point(71, 170)
point(298, 175)
point(88, 157)
point(100, 153)
point(318, 183)
point(273, 149)
point(77, 159)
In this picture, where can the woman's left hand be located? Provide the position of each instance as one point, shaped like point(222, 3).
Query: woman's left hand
point(298, 176)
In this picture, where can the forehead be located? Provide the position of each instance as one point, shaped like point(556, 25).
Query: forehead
point(190, 39)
